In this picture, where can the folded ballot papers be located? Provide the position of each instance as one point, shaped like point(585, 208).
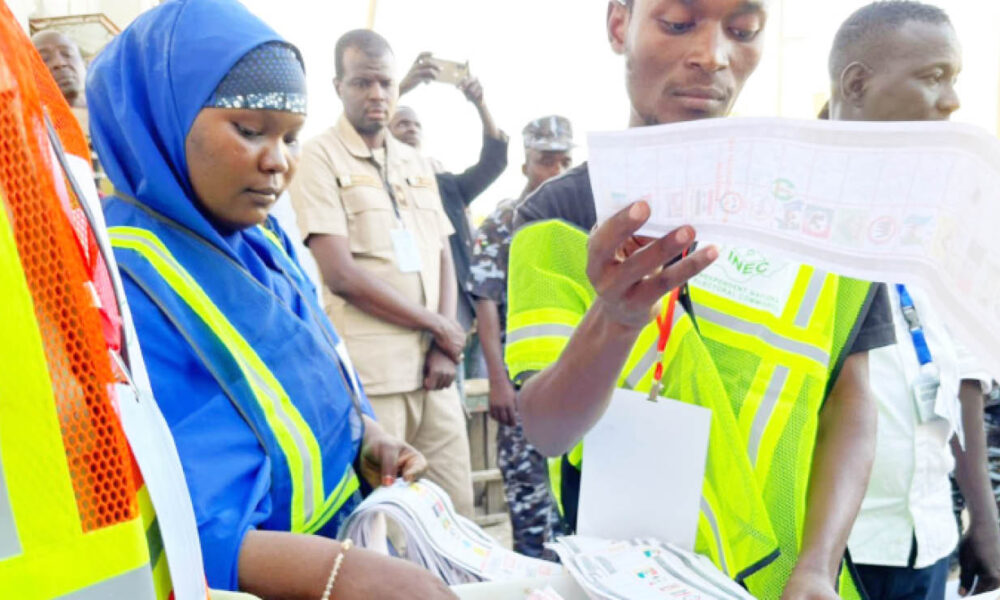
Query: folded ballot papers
point(437, 538)
point(643, 569)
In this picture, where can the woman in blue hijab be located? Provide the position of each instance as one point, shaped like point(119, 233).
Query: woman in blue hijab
point(195, 111)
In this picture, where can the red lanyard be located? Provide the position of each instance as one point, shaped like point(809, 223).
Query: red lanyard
point(665, 324)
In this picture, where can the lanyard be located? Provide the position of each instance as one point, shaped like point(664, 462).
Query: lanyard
point(913, 323)
point(384, 175)
point(665, 324)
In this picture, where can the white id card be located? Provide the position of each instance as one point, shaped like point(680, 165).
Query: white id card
point(407, 253)
point(653, 452)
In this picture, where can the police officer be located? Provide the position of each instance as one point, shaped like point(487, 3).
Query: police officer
point(548, 142)
point(369, 210)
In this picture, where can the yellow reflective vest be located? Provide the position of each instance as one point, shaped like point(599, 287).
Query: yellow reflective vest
point(76, 517)
point(763, 377)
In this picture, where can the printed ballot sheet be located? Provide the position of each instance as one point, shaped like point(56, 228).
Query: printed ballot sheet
point(643, 569)
point(914, 203)
point(437, 538)
point(650, 457)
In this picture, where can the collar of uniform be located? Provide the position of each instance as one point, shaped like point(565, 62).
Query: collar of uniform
point(352, 140)
point(355, 144)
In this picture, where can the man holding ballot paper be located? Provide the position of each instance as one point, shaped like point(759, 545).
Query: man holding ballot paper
point(780, 357)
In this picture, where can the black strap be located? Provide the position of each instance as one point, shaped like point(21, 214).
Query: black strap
point(383, 174)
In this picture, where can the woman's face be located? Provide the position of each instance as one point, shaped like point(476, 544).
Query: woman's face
point(240, 161)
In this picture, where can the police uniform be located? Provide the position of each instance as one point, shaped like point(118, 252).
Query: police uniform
point(386, 202)
point(533, 515)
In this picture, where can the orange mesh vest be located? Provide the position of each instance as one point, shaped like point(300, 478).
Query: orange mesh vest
point(75, 518)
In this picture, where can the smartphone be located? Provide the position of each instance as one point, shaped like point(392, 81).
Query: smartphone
point(449, 71)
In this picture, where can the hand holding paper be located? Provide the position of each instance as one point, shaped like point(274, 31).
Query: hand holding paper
point(629, 273)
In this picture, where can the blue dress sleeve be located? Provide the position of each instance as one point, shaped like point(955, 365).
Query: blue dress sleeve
point(227, 470)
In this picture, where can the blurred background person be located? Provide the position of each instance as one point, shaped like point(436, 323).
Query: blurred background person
point(548, 144)
point(458, 190)
point(899, 61)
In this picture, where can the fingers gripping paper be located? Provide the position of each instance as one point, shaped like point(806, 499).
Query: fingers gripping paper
point(914, 203)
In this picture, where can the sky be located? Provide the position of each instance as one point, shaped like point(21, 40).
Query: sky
point(539, 57)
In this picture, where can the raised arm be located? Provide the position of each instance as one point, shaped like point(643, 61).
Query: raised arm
point(493, 155)
point(560, 404)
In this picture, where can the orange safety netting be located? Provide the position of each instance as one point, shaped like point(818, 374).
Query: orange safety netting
point(67, 281)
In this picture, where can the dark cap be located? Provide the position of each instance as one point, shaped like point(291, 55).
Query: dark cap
point(551, 133)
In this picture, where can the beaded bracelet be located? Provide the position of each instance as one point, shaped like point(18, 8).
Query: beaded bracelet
point(344, 547)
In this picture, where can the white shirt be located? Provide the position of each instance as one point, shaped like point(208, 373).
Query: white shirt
point(910, 493)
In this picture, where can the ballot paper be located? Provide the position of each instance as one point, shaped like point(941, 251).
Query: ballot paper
point(656, 451)
point(643, 569)
point(913, 203)
point(438, 539)
point(544, 594)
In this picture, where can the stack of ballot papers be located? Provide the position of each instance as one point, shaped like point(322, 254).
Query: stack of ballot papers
point(437, 538)
point(643, 569)
point(545, 594)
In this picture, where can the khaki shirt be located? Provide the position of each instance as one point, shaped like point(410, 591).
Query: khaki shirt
point(339, 190)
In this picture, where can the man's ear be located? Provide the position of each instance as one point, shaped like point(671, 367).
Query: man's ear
point(854, 82)
point(336, 87)
point(618, 18)
point(524, 169)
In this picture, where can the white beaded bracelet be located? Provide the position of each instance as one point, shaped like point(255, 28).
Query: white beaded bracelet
point(344, 547)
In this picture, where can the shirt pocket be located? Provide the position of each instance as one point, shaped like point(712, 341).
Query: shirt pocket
point(429, 214)
point(370, 218)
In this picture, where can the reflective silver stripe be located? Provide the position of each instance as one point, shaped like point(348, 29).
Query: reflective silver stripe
point(308, 503)
point(642, 367)
point(308, 485)
point(810, 299)
point(533, 331)
point(648, 360)
point(136, 584)
point(10, 543)
point(765, 410)
point(757, 330)
point(705, 508)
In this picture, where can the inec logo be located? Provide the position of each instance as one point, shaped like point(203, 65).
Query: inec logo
point(744, 264)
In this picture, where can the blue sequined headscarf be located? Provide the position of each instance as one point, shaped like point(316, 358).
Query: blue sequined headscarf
point(269, 77)
point(268, 446)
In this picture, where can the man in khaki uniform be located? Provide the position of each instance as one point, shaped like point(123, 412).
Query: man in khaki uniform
point(369, 210)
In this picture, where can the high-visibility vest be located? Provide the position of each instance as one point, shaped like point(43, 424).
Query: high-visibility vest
point(308, 489)
point(777, 371)
point(76, 519)
point(548, 294)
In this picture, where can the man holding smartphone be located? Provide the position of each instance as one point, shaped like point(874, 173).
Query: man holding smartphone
point(458, 190)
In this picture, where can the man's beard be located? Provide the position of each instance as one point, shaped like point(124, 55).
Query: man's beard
point(370, 128)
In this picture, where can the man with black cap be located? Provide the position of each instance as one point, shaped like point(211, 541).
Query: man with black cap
point(548, 142)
